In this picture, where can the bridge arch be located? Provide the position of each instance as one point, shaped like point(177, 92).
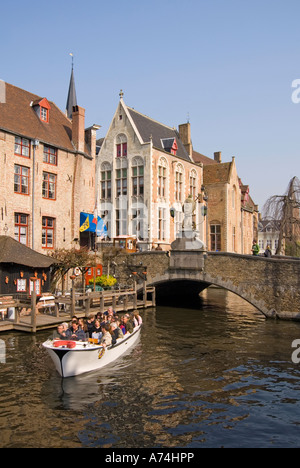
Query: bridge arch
point(272, 285)
point(183, 291)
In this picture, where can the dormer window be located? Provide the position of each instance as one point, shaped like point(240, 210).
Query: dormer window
point(170, 145)
point(42, 108)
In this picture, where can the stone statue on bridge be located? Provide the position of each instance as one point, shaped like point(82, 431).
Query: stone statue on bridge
point(188, 239)
point(189, 208)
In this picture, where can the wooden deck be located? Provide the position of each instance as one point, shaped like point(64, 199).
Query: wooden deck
point(79, 305)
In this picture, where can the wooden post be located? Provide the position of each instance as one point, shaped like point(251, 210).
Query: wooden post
point(73, 297)
point(145, 287)
point(33, 305)
point(102, 302)
point(17, 315)
point(56, 308)
point(87, 305)
point(145, 292)
point(114, 302)
point(135, 295)
point(153, 297)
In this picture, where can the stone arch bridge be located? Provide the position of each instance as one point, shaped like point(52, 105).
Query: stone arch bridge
point(272, 285)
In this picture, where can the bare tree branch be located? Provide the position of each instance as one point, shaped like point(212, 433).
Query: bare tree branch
point(285, 209)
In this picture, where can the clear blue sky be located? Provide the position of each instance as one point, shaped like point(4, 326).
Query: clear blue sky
point(229, 64)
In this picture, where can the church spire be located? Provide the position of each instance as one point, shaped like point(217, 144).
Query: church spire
point(72, 100)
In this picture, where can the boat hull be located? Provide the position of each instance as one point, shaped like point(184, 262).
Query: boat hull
point(88, 357)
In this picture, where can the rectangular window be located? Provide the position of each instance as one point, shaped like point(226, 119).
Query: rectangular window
point(44, 114)
point(178, 186)
point(215, 237)
point(138, 181)
point(21, 228)
point(50, 155)
point(121, 182)
point(106, 185)
point(21, 179)
point(49, 186)
point(22, 147)
point(48, 231)
point(121, 222)
point(21, 285)
point(37, 286)
point(122, 150)
point(193, 185)
point(162, 223)
point(162, 172)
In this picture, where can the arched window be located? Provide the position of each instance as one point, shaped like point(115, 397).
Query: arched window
point(162, 178)
point(193, 183)
point(179, 182)
point(121, 146)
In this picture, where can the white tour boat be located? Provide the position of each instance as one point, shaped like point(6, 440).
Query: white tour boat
point(78, 357)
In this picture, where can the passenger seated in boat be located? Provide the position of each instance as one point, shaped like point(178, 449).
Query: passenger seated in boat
point(116, 332)
point(90, 323)
point(60, 333)
point(83, 325)
point(75, 333)
point(139, 318)
point(110, 312)
point(127, 324)
point(106, 339)
point(96, 331)
point(136, 319)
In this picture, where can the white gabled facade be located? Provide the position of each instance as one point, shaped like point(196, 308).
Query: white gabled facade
point(139, 178)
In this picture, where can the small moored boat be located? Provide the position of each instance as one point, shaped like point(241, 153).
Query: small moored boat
point(78, 357)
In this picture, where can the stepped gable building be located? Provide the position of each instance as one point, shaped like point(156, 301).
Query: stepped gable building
point(146, 171)
point(47, 165)
point(232, 216)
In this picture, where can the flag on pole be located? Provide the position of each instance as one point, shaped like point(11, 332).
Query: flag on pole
point(85, 226)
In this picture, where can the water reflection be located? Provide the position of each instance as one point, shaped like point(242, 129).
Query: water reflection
point(218, 376)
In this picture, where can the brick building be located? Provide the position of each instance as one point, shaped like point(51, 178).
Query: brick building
point(47, 170)
point(232, 216)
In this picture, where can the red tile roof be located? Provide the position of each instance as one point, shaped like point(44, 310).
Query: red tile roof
point(217, 173)
point(18, 116)
point(200, 158)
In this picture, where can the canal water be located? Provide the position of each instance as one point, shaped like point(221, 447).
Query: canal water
point(217, 375)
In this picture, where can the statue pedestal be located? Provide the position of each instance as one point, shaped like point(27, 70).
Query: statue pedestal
point(188, 252)
point(188, 241)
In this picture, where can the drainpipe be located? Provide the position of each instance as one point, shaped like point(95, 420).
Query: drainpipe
point(35, 144)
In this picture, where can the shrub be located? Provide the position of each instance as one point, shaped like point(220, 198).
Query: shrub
point(104, 281)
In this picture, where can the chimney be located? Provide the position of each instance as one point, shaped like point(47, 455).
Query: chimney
point(185, 136)
point(78, 132)
point(218, 157)
point(90, 138)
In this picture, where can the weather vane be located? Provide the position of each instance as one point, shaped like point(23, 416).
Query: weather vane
point(72, 59)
